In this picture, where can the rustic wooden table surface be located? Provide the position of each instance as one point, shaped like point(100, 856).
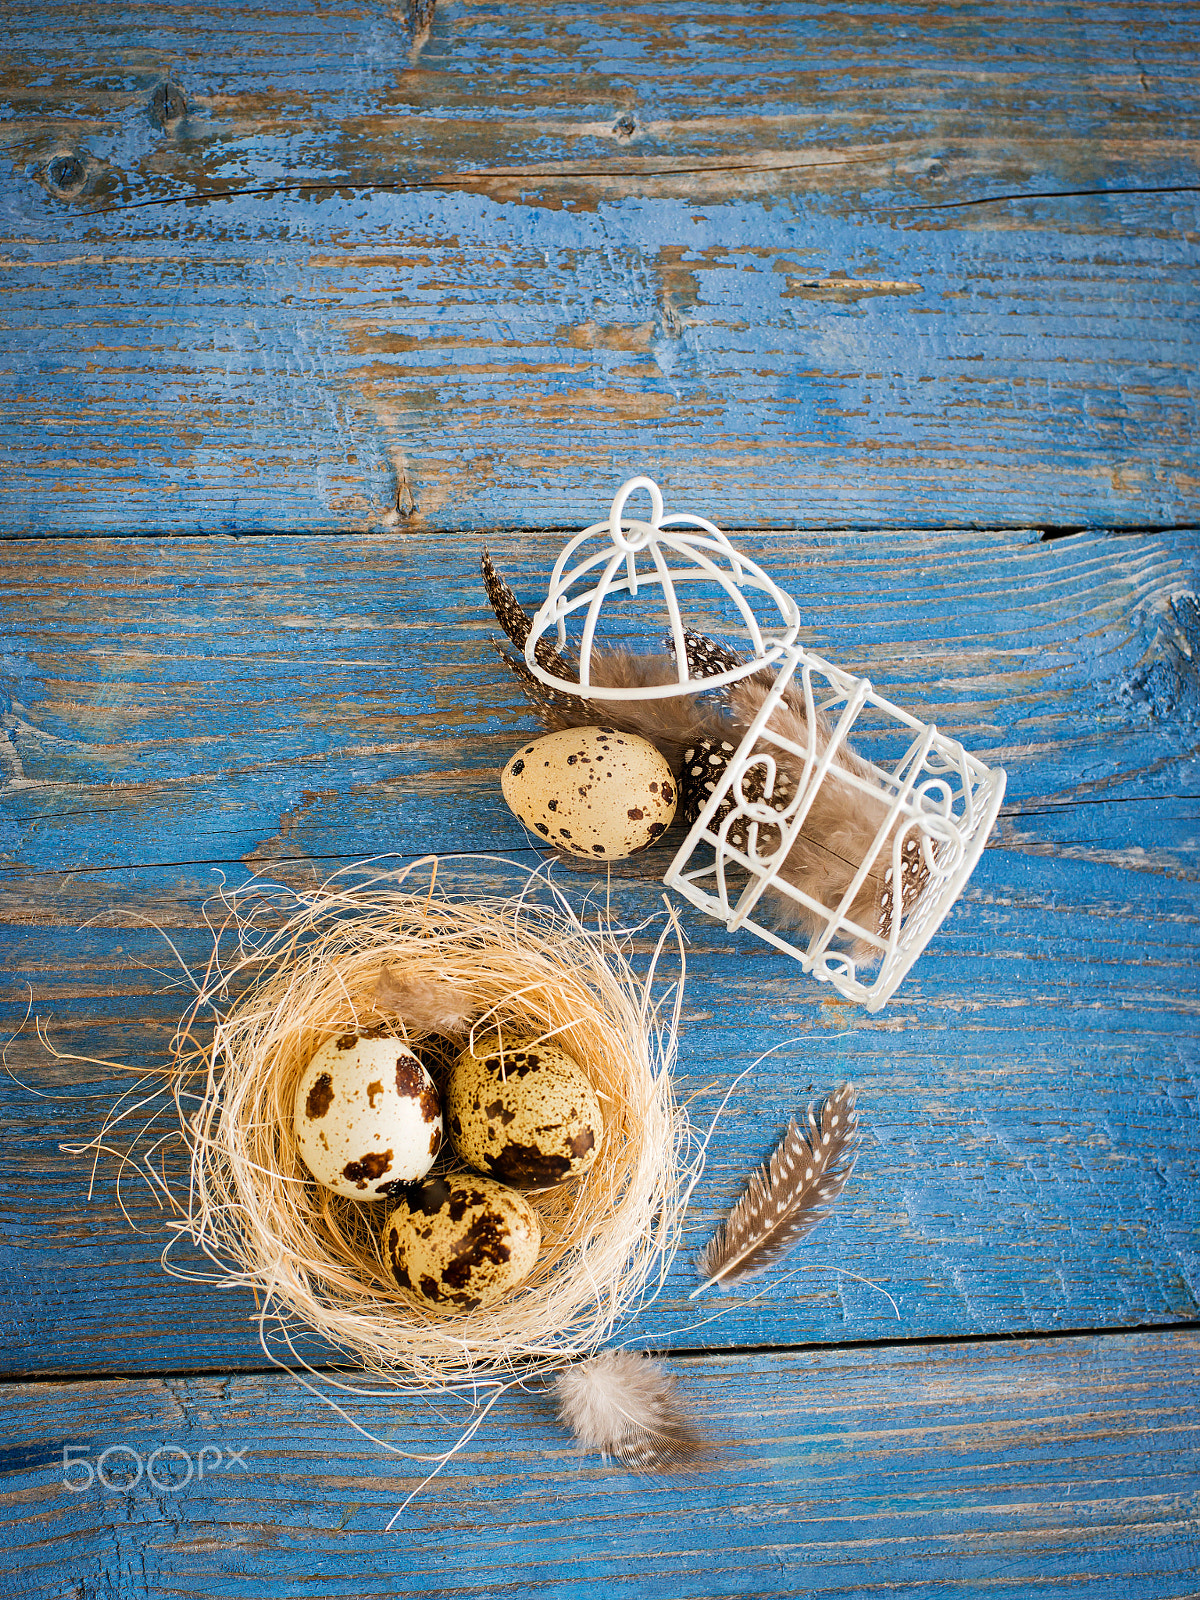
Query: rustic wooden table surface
point(304, 302)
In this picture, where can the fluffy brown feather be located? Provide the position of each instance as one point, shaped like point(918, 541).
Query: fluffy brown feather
point(426, 1005)
point(671, 725)
point(839, 830)
point(624, 1405)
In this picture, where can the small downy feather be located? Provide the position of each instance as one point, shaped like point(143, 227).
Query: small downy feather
point(788, 1195)
point(426, 1004)
point(624, 1405)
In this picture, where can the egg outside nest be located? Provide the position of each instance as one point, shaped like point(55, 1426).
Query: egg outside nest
point(592, 792)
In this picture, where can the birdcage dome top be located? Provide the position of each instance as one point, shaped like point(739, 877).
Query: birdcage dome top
point(628, 555)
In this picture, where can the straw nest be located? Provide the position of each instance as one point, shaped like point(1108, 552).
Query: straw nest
point(316, 1260)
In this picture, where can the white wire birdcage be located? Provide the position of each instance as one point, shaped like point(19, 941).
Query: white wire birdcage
point(864, 847)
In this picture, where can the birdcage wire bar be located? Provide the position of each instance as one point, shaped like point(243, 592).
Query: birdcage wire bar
point(949, 822)
point(703, 554)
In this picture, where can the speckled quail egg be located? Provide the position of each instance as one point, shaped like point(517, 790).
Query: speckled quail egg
point(461, 1241)
point(592, 791)
point(367, 1115)
point(522, 1111)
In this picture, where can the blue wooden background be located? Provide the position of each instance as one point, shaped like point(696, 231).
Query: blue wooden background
point(301, 305)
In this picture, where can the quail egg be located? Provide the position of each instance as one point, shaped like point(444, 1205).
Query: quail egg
point(592, 791)
point(367, 1115)
point(461, 1241)
point(522, 1111)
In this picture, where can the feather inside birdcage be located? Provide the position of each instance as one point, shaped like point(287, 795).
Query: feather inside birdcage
point(670, 725)
point(624, 1405)
point(698, 734)
point(788, 1195)
point(841, 829)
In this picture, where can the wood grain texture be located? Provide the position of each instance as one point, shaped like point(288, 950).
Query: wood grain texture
point(190, 701)
point(768, 254)
point(1064, 1467)
point(379, 267)
point(585, 100)
point(184, 708)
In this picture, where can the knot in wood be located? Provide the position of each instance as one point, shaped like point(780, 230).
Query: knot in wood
point(65, 174)
point(167, 104)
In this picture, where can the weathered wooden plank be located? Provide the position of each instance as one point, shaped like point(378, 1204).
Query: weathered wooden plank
point(1013, 1470)
point(518, 363)
point(210, 700)
point(759, 293)
point(1030, 1099)
point(782, 96)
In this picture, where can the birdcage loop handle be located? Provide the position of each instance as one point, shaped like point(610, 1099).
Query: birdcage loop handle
point(639, 533)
